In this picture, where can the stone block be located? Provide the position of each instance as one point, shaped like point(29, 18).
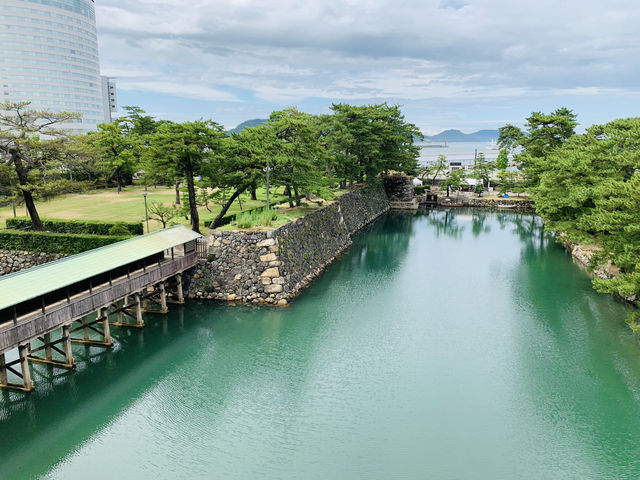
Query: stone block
point(231, 297)
point(266, 281)
point(273, 288)
point(278, 280)
point(282, 302)
point(266, 243)
point(274, 248)
point(271, 272)
point(270, 257)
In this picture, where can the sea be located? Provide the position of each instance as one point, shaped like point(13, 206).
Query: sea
point(464, 152)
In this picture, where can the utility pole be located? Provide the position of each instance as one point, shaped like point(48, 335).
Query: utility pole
point(267, 169)
point(146, 210)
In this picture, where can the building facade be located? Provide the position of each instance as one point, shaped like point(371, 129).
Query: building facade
point(49, 56)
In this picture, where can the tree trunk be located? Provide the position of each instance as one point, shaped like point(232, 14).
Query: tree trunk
point(193, 207)
point(31, 208)
point(226, 207)
point(28, 198)
point(298, 201)
point(287, 192)
point(178, 193)
point(254, 194)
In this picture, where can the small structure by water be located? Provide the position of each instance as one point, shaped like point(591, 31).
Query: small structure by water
point(50, 302)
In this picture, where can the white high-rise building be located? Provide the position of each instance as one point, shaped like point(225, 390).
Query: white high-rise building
point(49, 56)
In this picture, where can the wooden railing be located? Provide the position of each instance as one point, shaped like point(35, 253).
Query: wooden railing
point(40, 323)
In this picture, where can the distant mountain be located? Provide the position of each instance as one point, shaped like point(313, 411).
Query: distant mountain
point(249, 123)
point(457, 136)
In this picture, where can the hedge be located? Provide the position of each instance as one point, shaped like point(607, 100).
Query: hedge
point(90, 227)
point(45, 242)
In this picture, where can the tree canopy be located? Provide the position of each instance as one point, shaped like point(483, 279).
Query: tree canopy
point(27, 139)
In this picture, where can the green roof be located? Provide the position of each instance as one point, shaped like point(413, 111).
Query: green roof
point(36, 281)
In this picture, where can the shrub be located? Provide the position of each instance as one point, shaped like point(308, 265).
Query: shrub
point(420, 189)
point(91, 227)
point(258, 216)
point(119, 229)
point(46, 242)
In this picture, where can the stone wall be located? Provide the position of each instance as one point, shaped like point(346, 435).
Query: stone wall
point(12, 261)
point(469, 199)
point(273, 267)
point(400, 190)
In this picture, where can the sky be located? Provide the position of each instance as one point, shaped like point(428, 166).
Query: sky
point(465, 64)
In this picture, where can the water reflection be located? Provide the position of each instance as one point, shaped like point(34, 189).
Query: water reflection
point(445, 222)
point(437, 333)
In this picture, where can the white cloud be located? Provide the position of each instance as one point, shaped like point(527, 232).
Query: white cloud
point(380, 50)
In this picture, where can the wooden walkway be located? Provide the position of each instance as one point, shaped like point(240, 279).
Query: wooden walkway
point(50, 320)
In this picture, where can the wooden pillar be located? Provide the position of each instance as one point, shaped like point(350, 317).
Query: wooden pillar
point(179, 288)
point(4, 380)
point(139, 311)
point(66, 341)
point(23, 351)
point(85, 329)
point(108, 341)
point(120, 314)
point(163, 298)
point(47, 347)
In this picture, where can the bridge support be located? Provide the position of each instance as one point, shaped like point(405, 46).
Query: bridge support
point(102, 320)
point(24, 373)
point(125, 310)
point(179, 288)
point(50, 346)
point(157, 296)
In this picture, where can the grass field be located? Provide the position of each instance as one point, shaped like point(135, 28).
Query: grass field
point(128, 206)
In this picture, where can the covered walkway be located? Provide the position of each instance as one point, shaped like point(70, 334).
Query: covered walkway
point(48, 303)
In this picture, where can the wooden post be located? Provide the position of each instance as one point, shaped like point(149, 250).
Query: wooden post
point(120, 314)
point(163, 298)
point(85, 330)
point(139, 311)
point(4, 380)
point(47, 347)
point(68, 353)
point(108, 341)
point(179, 288)
point(23, 351)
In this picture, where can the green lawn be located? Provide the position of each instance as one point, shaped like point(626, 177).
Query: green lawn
point(127, 206)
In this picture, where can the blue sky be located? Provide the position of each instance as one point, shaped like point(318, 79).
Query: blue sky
point(466, 64)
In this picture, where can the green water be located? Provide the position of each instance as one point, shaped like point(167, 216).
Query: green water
point(459, 345)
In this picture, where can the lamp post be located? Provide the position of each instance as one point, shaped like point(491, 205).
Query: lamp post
point(146, 210)
point(267, 169)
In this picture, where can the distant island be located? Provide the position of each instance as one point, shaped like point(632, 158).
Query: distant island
point(457, 136)
point(451, 135)
point(249, 123)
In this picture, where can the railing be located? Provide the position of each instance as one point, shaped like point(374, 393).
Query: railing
point(39, 324)
point(203, 247)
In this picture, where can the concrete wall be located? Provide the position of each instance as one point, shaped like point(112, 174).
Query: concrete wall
point(273, 267)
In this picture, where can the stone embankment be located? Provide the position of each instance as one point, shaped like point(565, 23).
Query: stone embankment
point(13, 261)
point(400, 191)
point(469, 199)
point(273, 267)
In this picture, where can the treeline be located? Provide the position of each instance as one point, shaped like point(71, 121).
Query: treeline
point(306, 154)
point(586, 187)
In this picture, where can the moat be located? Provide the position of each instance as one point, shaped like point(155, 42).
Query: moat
point(446, 344)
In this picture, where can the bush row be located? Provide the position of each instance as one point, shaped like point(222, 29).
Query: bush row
point(45, 242)
point(90, 227)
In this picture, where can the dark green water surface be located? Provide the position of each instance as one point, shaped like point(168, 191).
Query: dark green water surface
point(445, 345)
